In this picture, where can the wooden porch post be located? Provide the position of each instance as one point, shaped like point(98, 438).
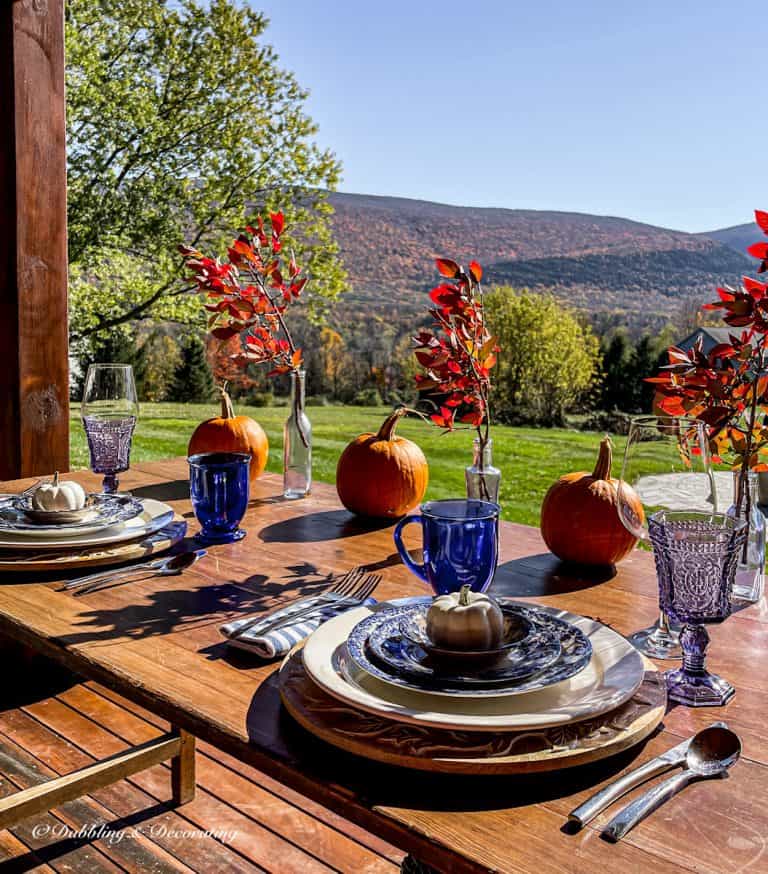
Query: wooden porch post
point(34, 372)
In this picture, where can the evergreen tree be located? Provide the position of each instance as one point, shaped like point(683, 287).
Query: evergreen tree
point(192, 381)
point(643, 363)
point(616, 393)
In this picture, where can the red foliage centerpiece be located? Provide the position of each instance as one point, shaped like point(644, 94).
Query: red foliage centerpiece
point(728, 387)
point(458, 355)
point(247, 294)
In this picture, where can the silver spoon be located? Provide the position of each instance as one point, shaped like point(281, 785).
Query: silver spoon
point(164, 567)
point(712, 751)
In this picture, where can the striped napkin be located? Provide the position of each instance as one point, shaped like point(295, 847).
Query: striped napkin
point(277, 643)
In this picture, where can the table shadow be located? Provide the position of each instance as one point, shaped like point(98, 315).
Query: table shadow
point(173, 490)
point(323, 525)
point(545, 574)
point(167, 610)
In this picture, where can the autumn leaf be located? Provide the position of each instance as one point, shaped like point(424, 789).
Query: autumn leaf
point(448, 268)
point(277, 221)
point(760, 251)
point(488, 347)
point(475, 271)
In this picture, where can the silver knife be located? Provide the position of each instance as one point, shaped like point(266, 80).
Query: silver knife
point(596, 803)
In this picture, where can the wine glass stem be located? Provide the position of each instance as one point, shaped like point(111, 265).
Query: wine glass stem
point(664, 624)
point(110, 483)
point(694, 640)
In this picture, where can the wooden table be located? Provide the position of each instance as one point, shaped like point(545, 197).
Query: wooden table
point(156, 642)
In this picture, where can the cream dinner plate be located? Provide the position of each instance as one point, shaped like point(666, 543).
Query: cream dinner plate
point(155, 515)
point(613, 675)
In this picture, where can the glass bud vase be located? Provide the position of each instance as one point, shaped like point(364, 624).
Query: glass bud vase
point(748, 585)
point(297, 444)
point(482, 478)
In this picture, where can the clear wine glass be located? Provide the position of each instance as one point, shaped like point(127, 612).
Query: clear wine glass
point(110, 409)
point(667, 465)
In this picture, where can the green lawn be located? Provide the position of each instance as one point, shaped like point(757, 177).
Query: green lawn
point(530, 458)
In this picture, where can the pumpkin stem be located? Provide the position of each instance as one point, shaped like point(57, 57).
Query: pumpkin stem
point(464, 596)
point(227, 410)
point(56, 478)
point(387, 430)
point(602, 469)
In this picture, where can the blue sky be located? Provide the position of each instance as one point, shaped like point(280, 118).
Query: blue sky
point(650, 110)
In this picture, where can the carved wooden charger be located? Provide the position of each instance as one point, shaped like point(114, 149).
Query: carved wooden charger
point(471, 752)
point(117, 553)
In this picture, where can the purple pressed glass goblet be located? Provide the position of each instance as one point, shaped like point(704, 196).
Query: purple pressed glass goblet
point(696, 556)
point(110, 408)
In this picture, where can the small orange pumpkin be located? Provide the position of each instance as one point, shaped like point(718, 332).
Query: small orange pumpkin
point(231, 433)
point(580, 519)
point(382, 475)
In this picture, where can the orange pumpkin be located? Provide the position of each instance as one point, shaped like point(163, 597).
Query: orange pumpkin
point(231, 433)
point(580, 519)
point(382, 475)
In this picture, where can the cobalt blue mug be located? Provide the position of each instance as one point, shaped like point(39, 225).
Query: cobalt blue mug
point(461, 544)
point(218, 486)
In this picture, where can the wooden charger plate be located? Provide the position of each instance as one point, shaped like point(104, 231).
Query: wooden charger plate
point(116, 553)
point(471, 752)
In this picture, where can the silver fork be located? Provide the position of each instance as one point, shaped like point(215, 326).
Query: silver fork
point(352, 588)
point(363, 591)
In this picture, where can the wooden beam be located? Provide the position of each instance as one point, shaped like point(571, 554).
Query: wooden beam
point(34, 375)
point(183, 769)
point(54, 793)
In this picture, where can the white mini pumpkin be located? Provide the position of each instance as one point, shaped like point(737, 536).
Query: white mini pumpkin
point(465, 620)
point(55, 495)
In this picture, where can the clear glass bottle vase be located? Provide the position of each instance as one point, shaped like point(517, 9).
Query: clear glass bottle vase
point(482, 478)
point(297, 443)
point(750, 571)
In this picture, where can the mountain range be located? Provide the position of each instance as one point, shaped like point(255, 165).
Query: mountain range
point(636, 272)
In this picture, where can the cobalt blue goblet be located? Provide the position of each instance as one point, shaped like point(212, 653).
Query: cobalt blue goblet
point(460, 544)
point(218, 485)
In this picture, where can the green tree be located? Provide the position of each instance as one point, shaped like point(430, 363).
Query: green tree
point(649, 353)
point(548, 361)
point(181, 126)
point(616, 350)
point(192, 381)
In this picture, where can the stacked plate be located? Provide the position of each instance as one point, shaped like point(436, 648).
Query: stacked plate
point(565, 690)
point(571, 668)
point(107, 519)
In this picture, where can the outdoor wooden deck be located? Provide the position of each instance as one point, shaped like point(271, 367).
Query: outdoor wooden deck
point(52, 724)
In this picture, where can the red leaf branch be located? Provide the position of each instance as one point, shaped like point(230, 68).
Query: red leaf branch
point(459, 352)
point(728, 387)
point(248, 292)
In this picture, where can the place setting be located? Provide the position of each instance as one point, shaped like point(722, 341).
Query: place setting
point(465, 683)
point(58, 524)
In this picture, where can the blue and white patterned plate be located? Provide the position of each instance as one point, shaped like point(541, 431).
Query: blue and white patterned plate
point(102, 512)
point(401, 662)
point(395, 644)
point(516, 628)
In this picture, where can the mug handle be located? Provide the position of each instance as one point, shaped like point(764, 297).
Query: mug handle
point(419, 570)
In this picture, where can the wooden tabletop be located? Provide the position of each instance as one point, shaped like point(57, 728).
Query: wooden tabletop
point(156, 642)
